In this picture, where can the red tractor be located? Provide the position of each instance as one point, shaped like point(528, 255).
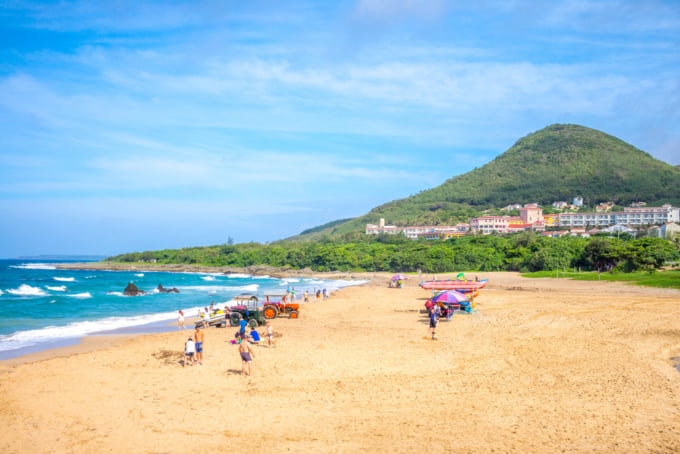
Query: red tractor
point(276, 305)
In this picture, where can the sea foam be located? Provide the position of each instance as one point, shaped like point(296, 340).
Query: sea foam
point(64, 279)
point(83, 295)
point(22, 339)
point(27, 290)
point(34, 266)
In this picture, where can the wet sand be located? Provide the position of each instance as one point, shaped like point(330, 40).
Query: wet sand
point(543, 365)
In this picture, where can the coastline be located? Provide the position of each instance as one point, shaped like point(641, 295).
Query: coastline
point(41, 349)
point(542, 365)
point(256, 270)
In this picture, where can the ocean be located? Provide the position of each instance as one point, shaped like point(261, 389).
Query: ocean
point(42, 307)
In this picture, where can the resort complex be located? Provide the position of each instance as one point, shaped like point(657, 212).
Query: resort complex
point(662, 219)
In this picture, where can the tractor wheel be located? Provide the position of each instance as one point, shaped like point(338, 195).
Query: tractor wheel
point(270, 312)
point(234, 319)
point(293, 314)
point(252, 323)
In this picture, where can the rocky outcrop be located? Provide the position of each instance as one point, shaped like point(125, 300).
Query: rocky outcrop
point(162, 289)
point(132, 290)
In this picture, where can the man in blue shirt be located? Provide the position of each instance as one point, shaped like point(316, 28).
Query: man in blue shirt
point(242, 330)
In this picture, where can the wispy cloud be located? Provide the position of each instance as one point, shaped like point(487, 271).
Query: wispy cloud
point(311, 107)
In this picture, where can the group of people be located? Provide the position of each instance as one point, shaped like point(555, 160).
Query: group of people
point(193, 347)
point(246, 341)
point(319, 293)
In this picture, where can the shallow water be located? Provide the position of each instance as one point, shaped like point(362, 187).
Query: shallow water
point(42, 305)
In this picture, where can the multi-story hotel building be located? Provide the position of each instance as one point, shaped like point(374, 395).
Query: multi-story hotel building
point(531, 218)
point(631, 216)
point(419, 231)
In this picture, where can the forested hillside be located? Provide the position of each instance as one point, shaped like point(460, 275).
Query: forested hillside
point(527, 251)
point(556, 163)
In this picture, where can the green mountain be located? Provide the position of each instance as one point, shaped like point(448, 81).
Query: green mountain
point(557, 163)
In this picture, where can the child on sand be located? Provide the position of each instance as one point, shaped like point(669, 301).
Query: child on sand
point(189, 351)
point(270, 335)
point(254, 337)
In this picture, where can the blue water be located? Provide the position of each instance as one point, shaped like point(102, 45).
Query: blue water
point(41, 306)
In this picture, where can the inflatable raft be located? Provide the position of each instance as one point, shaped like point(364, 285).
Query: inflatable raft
point(465, 286)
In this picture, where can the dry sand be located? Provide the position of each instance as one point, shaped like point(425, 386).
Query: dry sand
point(544, 365)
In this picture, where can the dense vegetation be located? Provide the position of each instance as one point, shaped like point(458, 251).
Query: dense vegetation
point(525, 251)
point(557, 163)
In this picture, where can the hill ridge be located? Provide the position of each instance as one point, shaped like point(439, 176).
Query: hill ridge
point(558, 162)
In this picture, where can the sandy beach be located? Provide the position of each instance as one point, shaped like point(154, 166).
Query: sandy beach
point(542, 365)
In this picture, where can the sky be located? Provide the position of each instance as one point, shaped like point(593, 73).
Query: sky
point(144, 125)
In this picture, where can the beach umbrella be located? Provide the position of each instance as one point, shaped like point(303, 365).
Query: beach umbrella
point(450, 296)
point(398, 277)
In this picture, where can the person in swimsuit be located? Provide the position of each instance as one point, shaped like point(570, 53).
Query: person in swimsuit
point(180, 320)
point(199, 335)
point(247, 355)
point(270, 335)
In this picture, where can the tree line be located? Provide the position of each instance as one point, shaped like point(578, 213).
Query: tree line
point(526, 251)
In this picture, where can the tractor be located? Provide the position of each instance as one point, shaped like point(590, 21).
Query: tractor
point(276, 305)
point(248, 308)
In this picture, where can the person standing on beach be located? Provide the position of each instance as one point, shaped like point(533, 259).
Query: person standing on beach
point(189, 351)
point(270, 335)
point(242, 327)
point(199, 334)
point(434, 319)
point(206, 318)
point(247, 355)
point(180, 320)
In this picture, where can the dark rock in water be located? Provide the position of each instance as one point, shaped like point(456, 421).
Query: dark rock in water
point(162, 289)
point(132, 290)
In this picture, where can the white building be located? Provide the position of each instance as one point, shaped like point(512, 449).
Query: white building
point(631, 216)
point(668, 230)
point(372, 229)
point(418, 231)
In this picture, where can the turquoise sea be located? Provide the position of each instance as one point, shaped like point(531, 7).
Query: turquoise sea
point(42, 307)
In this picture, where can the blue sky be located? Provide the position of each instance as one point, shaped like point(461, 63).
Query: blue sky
point(139, 125)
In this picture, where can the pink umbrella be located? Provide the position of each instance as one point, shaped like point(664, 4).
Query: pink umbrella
point(398, 277)
point(450, 296)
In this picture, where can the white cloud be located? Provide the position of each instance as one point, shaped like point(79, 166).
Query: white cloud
point(240, 107)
